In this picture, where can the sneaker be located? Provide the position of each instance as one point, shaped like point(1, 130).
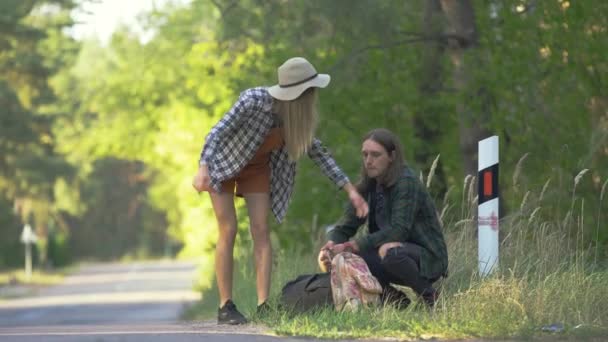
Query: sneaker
point(263, 309)
point(430, 297)
point(394, 297)
point(228, 314)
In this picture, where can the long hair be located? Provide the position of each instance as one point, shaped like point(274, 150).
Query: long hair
point(299, 118)
point(391, 144)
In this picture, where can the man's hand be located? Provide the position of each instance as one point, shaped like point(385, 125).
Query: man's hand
point(201, 180)
point(357, 201)
point(324, 258)
point(350, 246)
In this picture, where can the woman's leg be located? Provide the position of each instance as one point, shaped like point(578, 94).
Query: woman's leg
point(258, 206)
point(223, 205)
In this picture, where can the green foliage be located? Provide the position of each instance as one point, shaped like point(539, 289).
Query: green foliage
point(541, 70)
point(534, 78)
point(118, 219)
point(154, 104)
point(98, 143)
point(11, 253)
point(33, 48)
point(378, 56)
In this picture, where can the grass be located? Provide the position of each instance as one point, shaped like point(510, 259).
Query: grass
point(546, 276)
point(15, 277)
point(15, 284)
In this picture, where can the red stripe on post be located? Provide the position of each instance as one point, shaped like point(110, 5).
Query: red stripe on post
point(487, 183)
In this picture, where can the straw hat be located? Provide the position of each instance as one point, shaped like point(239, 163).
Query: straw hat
point(295, 76)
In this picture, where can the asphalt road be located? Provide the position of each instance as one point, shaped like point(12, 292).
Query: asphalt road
point(117, 302)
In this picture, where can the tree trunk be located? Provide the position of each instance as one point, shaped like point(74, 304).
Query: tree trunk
point(460, 18)
point(430, 82)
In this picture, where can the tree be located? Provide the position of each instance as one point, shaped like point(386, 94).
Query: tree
point(487, 67)
point(441, 74)
point(33, 48)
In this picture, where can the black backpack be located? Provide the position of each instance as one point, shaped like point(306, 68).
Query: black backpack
point(307, 292)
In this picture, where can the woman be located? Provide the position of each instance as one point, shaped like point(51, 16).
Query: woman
point(254, 148)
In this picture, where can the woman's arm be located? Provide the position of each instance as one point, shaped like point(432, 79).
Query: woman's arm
point(321, 156)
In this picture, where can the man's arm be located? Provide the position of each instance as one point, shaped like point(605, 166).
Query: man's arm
point(341, 232)
point(346, 227)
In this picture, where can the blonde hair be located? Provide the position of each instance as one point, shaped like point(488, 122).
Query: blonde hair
point(299, 118)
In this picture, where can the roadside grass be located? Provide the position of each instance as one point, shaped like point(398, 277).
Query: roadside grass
point(14, 283)
point(510, 304)
point(546, 279)
point(18, 277)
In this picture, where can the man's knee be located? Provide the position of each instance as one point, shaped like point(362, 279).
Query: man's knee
point(385, 247)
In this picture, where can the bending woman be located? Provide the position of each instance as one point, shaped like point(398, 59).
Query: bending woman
point(252, 152)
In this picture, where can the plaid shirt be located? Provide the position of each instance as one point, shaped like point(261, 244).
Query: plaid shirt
point(234, 140)
point(408, 215)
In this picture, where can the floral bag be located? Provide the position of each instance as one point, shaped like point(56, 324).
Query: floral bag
point(352, 283)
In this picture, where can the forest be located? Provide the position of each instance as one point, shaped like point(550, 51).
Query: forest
point(99, 140)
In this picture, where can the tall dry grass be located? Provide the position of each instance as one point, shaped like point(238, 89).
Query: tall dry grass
point(546, 275)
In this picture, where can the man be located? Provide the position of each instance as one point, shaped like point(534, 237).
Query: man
point(404, 245)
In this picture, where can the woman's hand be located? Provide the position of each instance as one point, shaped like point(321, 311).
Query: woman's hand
point(357, 201)
point(201, 180)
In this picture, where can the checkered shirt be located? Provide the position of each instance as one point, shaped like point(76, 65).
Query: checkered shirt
point(234, 140)
point(409, 216)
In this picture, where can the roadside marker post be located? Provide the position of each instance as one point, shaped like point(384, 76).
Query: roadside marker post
point(487, 213)
point(28, 237)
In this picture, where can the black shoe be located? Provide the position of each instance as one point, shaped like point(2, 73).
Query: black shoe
point(263, 309)
point(228, 314)
point(430, 297)
point(396, 298)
